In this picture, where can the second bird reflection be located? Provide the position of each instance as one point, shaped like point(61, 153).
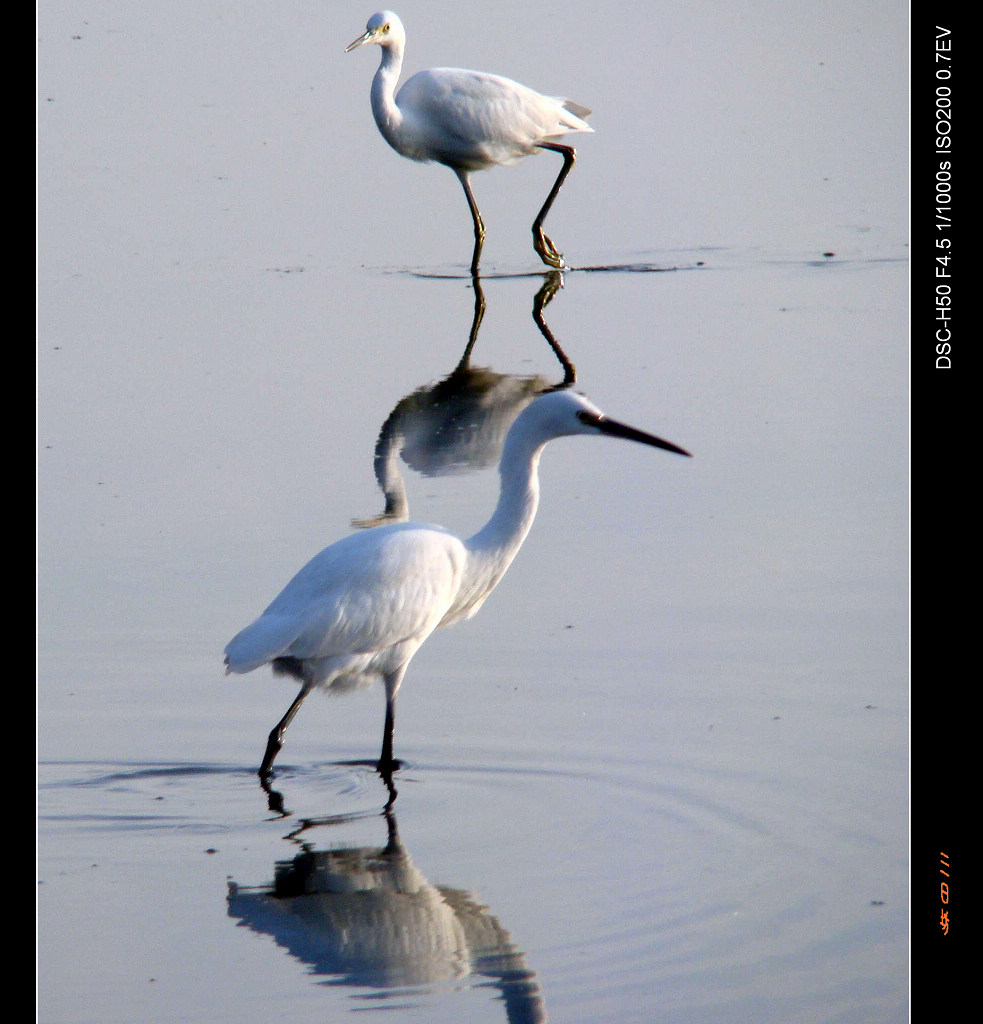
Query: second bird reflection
point(459, 424)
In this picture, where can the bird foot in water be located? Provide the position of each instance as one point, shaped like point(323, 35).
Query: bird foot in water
point(387, 766)
point(548, 252)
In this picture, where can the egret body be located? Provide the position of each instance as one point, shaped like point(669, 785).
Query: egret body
point(358, 611)
point(469, 121)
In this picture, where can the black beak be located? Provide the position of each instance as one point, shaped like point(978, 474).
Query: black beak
point(616, 429)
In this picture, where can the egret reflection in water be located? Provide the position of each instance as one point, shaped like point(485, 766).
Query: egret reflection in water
point(459, 424)
point(368, 917)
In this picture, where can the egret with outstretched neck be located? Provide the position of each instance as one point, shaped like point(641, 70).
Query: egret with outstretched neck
point(358, 612)
point(469, 121)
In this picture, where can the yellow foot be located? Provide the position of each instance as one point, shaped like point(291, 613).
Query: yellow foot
point(548, 252)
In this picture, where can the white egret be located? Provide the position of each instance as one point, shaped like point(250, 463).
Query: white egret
point(469, 121)
point(357, 612)
point(367, 916)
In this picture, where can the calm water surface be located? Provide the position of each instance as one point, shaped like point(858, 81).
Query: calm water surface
point(662, 776)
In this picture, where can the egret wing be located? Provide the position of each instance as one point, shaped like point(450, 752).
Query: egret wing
point(464, 116)
point(260, 642)
point(363, 594)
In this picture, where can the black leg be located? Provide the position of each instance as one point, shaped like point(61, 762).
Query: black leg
point(275, 743)
point(387, 765)
point(479, 224)
point(547, 250)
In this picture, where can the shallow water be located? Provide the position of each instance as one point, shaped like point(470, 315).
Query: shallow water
point(662, 776)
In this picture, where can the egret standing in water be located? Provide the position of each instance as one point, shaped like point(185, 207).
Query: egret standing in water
point(469, 121)
point(358, 612)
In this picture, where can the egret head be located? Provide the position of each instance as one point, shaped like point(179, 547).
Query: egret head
point(383, 28)
point(564, 413)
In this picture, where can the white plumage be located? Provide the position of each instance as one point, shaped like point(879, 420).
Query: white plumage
point(469, 121)
point(358, 611)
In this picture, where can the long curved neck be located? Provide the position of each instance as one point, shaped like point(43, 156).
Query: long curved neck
point(493, 547)
point(387, 115)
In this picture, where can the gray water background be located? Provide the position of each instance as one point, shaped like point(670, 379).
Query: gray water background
point(668, 760)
